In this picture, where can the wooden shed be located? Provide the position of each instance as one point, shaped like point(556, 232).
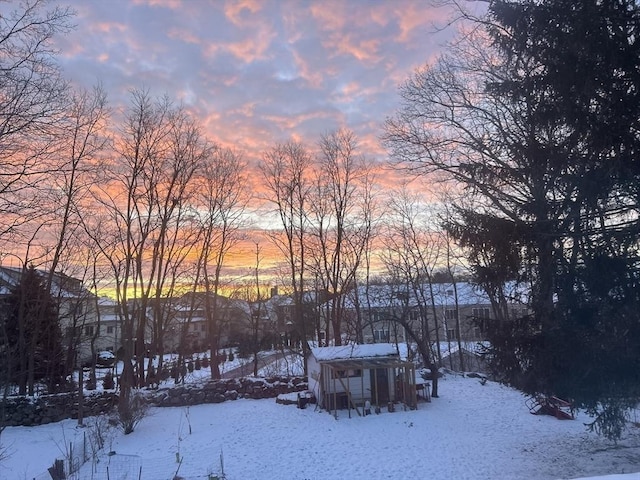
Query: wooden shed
point(356, 376)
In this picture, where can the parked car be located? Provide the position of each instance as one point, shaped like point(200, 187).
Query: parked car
point(105, 359)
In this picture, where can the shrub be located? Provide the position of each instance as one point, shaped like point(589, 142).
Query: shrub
point(205, 362)
point(131, 411)
point(107, 382)
point(198, 365)
point(90, 384)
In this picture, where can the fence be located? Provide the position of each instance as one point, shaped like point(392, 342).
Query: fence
point(76, 454)
point(130, 467)
point(113, 467)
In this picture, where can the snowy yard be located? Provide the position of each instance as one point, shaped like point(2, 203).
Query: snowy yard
point(472, 431)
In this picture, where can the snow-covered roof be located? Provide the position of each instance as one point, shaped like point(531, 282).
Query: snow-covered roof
point(63, 286)
point(386, 296)
point(106, 302)
point(354, 351)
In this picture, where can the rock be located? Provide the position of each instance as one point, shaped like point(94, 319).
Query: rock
point(231, 395)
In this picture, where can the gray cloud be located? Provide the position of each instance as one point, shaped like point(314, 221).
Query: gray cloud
point(257, 72)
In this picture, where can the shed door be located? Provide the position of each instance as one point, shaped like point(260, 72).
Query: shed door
point(380, 380)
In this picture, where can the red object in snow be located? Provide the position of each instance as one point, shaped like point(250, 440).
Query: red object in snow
point(551, 405)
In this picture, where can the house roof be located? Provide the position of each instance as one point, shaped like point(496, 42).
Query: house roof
point(443, 294)
point(63, 286)
point(370, 356)
point(351, 352)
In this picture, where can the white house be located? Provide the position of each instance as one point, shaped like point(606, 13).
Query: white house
point(375, 313)
point(354, 376)
point(75, 308)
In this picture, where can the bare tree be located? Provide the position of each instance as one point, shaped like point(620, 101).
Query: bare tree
point(82, 141)
point(286, 170)
point(33, 97)
point(174, 238)
point(219, 216)
point(412, 253)
point(142, 193)
point(73, 149)
point(340, 221)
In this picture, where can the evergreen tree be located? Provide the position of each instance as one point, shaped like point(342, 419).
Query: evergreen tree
point(536, 113)
point(33, 334)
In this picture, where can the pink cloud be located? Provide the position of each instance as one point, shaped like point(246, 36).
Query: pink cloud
point(252, 49)
point(308, 71)
point(366, 51)
point(109, 27)
point(248, 50)
point(171, 4)
point(234, 9)
point(184, 35)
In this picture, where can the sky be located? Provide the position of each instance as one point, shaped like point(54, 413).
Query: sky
point(258, 72)
point(255, 73)
point(473, 431)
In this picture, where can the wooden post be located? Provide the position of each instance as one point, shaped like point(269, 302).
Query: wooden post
point(80, 396)
point(335, 395)
point(375, 380)
point(362, 387)
point(414, 387)
point(349, 397)
point(407, 379)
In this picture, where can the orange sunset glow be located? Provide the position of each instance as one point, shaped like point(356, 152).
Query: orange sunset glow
point(249, 75)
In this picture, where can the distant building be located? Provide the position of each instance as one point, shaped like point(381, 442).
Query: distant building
point(107, 326)
point(76, 308)
point(380, 313)
point(189, 324)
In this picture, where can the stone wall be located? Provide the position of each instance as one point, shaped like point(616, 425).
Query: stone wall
point(29, 411)
point(217, 391)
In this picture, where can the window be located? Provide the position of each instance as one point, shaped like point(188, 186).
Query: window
point(381, 335)
point(480, 312)
point(451, 334)
point(110, 329)
point(203, 327)
point(88, 330)
point(450, 314)
point(477, 333)
point(71, 331)
point(346, 373)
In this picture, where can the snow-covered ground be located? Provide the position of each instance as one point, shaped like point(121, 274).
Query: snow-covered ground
point(472, 431)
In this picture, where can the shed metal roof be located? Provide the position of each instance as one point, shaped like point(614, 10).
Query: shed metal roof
point(365, 363)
